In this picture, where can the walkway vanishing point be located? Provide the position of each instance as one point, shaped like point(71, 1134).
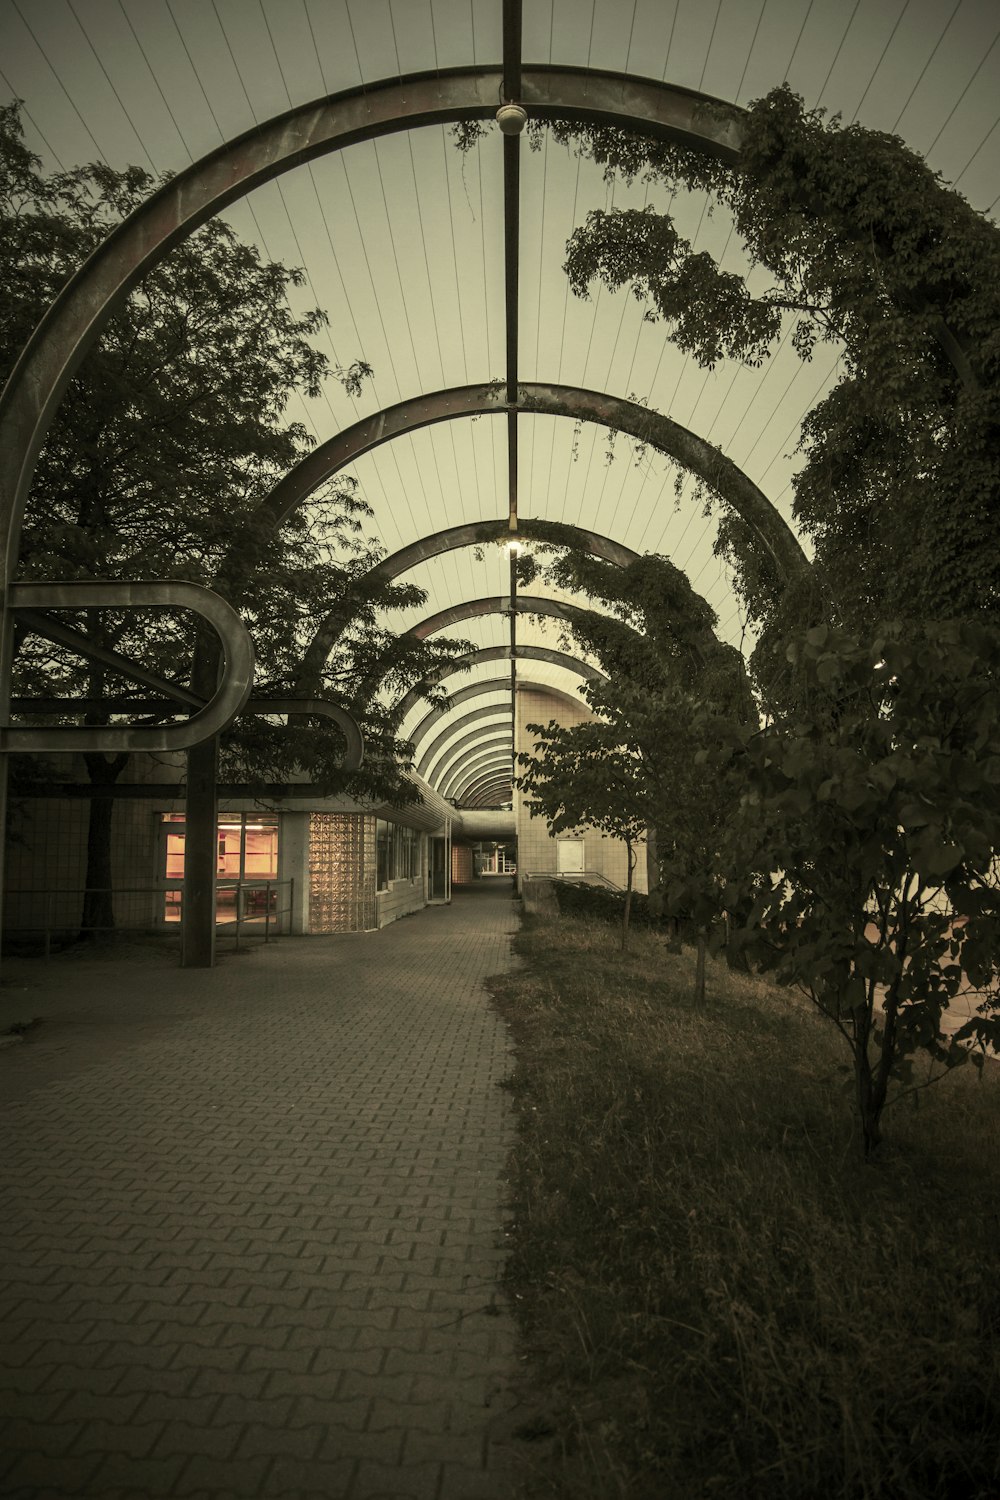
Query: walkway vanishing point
point(252, 1220)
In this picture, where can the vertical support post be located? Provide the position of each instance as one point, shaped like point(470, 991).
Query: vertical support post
point(6, 667)
point(513, 658)
point(267, 911)
point(201, 853)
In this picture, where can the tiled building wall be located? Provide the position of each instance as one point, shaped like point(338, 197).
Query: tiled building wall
point(462, 872)
point(46, 864)
point(341, 872)
point(537, 851)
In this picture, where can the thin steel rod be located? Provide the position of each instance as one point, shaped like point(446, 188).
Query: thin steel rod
point(512, 49)
point(513, 656)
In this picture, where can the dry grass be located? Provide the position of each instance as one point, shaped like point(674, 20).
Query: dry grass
point(720, 1299)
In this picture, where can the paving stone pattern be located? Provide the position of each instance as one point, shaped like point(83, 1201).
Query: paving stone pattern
point(252, 1221)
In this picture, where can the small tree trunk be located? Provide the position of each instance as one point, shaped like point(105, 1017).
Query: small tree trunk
point(98, 914)
point(699, 968)
point(628, 893)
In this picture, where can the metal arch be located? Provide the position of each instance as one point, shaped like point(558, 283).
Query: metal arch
point(495, 756)
point(475, 773)
point(489, 798)
point(483, 788)
point(476, 690)
point(441, 741)
point(498, 653)
point(470, 534)
point(489, 778)
point(487, 788)
point(496, 604)
point(547, 399)
point(472, 745)
point(302, 134)
point(484, 794)
point(346, 722)
point(495, 753)
point(205, 722)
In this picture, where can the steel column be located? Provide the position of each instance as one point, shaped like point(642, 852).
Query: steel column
point(201, 856)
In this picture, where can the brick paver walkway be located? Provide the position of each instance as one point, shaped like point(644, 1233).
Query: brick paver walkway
point(252, 1221)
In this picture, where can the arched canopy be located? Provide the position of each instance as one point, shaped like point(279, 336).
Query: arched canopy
point(765, 523)
point(489, 792)
point(497, 604)
point(477, 690)
point(456, 758)
point(490, 714)
point(273, 147)
point(494, 757)
point(452, 538)
point(497, 653)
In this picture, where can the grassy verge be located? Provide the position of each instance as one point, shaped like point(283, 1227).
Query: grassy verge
point(719, 1299)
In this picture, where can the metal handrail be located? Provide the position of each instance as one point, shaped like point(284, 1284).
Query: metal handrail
point(237, 923)
point(588, 877)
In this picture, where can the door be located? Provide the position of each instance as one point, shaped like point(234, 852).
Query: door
point(438, 889)
point(570, 857)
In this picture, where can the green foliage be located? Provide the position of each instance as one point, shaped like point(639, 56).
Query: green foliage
point(866, 248)
point(170, 437)
point(597, 903)
point(867, 839)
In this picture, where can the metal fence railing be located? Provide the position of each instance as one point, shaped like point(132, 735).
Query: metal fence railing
point(584, 877)
point(244, 909)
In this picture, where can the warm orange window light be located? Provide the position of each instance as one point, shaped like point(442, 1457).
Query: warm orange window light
point(247, 851)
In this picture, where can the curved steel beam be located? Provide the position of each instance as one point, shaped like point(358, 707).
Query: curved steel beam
point(470, 534)
point(496, 604)
point(488, 773)
point(526, 604)
point(276, 146)
point(492, 798)
point(476, 690)
point(206, 721)
point(483, 770)
point(345, 722)
point(474, 533)
point(441, 740)
point(762, 518)
point(497, 653)
point(471, 745)
point(496, 757)
point(487, 794)
point(489, 779)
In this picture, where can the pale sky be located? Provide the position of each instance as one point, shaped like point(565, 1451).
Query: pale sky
point(402, 239)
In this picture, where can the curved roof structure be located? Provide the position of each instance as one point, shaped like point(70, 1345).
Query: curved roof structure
point(493, 386)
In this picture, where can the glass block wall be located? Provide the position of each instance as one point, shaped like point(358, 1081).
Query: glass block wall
point(341, 872)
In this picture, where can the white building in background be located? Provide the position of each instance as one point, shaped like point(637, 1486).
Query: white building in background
point(585, 852)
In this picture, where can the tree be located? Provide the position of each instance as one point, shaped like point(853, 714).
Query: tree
point(579, 775)
point(867, 839)
point(868, 248)
point(671, 688)
point(169, 438)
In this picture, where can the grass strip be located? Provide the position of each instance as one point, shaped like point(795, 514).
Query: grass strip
point(716, 1295)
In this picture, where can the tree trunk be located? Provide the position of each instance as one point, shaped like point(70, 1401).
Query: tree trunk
point(699, 968)
point(869, 1105)
point(628, 894)
point(97, 918)
point(652, 862)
